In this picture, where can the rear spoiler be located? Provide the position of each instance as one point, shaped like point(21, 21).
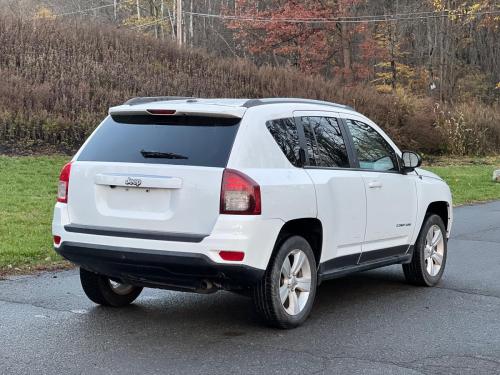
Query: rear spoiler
point(151, 99)
point(177, 108)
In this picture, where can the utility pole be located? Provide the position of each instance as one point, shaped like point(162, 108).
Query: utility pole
point(179, 22)
point(114, 8)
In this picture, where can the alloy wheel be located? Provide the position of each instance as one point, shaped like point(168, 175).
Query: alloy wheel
point(295, 282)
point(120, 289)
point(434, 250)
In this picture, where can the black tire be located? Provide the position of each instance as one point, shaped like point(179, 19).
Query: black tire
point(415, 272)
point(266, 294)
point(99, 290)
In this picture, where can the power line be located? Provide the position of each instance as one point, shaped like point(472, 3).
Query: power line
point(316, 19)
point(151, 23)
point(343, 19)
point(360, 19)
point(87, 10)
point(380, 15)
point(83, 10)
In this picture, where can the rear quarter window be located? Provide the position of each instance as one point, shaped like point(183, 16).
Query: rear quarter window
point(284, 132)
point(178, 140)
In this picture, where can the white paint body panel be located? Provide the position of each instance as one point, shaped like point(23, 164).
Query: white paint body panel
point(341, 209)
point(167, 201)
point(185, 199)
point(391, 209)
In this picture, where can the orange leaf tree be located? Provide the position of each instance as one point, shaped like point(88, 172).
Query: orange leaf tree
point(310, 35)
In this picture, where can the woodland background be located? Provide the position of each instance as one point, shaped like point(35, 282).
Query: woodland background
point(427, 71)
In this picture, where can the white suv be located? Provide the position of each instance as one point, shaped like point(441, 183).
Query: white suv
point(266, 197)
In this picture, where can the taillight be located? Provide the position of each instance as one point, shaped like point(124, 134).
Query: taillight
point(62, 188)
point(240, 195)
point(57, 240)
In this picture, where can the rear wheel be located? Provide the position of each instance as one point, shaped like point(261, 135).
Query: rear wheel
point(429, 255)
point(285, 295)
point(104, 291)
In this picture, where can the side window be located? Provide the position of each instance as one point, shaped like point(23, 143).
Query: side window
point(325, 144)
point(372, 149)
point(284, 132)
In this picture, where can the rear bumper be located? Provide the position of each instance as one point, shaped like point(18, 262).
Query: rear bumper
point(253, 235)
point(159, 268)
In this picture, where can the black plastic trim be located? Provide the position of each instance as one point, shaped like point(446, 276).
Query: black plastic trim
point(368, 256)
point(142, 234)
point(302, 139)
point(345, 265)
point(340, 272)
point(350, 169)
point(346, 136)
point(340, 262)
point(158, 268)
point(175, 120)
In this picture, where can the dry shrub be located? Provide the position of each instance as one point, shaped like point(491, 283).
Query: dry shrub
point(470, 128)
point(408, 119)
point(59, 77)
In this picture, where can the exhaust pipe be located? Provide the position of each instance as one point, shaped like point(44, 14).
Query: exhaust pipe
point(207, 285)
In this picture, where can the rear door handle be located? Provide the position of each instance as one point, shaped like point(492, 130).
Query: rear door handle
point(374, 184)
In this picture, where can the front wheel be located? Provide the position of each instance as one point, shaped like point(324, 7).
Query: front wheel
point(104, 291)
point(429, 255)
point(285, 295)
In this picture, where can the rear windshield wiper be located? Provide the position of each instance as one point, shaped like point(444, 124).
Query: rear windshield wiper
point(162, 155)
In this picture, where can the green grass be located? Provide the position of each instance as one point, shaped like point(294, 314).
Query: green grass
point(470, 179)
point(27, 195)
point(28, 190)
point(468, 183)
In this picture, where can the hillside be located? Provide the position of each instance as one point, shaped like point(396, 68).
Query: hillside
point(58, 78)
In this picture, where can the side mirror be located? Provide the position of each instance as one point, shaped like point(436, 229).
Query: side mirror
point(411, 160)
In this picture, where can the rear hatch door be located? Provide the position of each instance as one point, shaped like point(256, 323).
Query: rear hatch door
point(142, 172)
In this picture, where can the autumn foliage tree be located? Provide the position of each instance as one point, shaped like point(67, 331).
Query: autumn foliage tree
point(418, 45)
point(311, 35)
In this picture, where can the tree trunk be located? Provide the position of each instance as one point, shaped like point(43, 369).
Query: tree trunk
point(346, 52)
point(191, 29)
point(441, 58)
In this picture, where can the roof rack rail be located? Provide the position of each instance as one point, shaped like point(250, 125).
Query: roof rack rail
point(151, 99)
point(256, 102)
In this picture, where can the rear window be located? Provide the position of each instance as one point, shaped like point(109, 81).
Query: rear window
point(179, 140)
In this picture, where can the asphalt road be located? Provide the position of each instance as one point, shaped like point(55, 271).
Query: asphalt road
point(370, 323)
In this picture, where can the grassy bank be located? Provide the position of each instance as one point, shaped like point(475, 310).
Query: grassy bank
point(59, 77)
point(28, 189)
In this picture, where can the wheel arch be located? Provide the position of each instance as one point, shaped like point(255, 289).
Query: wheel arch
point(442, 209)
point(309, 228)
